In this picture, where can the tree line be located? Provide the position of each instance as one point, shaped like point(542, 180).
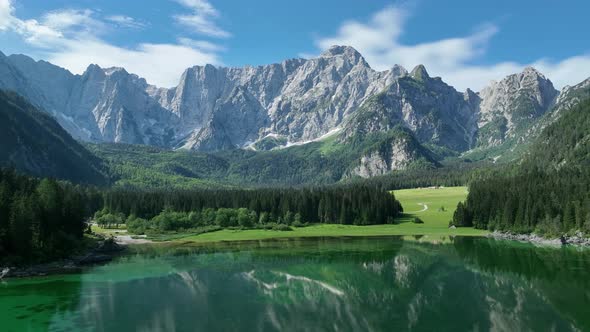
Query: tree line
point(458, 173)
point(550, 204)
point(344, 204)
point(41, 219)
point(206, 220)
point(547, 193)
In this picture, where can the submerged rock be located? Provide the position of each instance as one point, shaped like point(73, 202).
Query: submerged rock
point(578, 239)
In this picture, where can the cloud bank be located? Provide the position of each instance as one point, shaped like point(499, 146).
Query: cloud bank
point(201, 19)
point(73, 39)
point(379, 42)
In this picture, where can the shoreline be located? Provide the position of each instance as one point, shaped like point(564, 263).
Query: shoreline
point(577, 240)
point(108, 249)
point(104, 252)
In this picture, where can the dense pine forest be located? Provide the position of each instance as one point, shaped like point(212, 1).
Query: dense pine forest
point(345, 204)
point(46, 219)
point(42, 219)
point(451, 174)
point(548, 193)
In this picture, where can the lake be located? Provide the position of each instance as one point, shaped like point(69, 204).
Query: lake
point(337, 284)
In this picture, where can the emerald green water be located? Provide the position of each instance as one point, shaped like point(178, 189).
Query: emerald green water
point(366, 284)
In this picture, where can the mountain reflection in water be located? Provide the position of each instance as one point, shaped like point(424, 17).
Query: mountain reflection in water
point(344, 284)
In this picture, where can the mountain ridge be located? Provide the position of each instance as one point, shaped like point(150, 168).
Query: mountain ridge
point(295, 101)
point(33, 142)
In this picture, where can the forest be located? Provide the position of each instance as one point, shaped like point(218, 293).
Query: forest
point(338, 204)
point(547, 193)
point(43, 219)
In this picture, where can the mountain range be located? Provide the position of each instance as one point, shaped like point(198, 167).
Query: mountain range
point(389, 119)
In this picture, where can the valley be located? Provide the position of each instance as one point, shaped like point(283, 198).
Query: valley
point(442, 202)
point(291, 123)
point(207, 165)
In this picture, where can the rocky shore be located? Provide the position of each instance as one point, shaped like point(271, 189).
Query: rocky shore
point(576, 240)
point(104, 252)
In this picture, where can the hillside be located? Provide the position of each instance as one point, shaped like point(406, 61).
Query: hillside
point(548, 193)
point(33, 142)
point(322, 162)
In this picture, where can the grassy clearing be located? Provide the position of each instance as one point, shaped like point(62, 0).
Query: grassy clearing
point(435, 221)
point(423, 203)
point(329, 230)
point(434, 206)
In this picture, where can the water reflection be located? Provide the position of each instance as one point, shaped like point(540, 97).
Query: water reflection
point(379, 284)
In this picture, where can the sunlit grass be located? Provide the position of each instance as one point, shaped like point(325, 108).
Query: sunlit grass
point(436, 221)
point(441, 204)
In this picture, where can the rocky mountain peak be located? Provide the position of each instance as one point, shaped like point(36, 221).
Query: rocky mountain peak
point(471, 97)
point(114, 70)
point(529, 77)
point(398, 71)
point(21, 58)
point(93, 70)
point(347, 52)
point(529, 70)
point(336, 50)
point(510, 105)
point(419, 73)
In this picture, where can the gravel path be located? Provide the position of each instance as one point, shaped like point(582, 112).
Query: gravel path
point(424, 208)
point(127, 239)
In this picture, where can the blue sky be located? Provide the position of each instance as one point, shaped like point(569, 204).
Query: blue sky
point(468, 43)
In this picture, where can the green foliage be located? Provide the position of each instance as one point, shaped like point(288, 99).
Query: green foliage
point(316, 163)
point(549, 192)
point(269, 143)
point(34, 143)
point(110, 220)
point(461, 216)
point(282, 228)
point(345, 204)
point(452, 174)
point(195, 221)
point(495, 130)
point(41, 219)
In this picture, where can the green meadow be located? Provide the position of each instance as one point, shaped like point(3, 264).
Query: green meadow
point(434, 207)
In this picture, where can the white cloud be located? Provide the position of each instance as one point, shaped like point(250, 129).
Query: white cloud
point(160, 64)
point(201, 44)
point(379, 42)
point(72, 39)
point(5, 14)
point(126, 21)
point(67, 19)
point(202, 18)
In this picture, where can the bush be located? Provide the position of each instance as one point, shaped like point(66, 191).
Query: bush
point(264, 218)
point(417, 220)
point(281, 227)
point(137, 225)
point(109, 220)
point(549, 227)
point(298, 223)
point(267, 226)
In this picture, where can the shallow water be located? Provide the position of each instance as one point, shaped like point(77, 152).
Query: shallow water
point(344, 284)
